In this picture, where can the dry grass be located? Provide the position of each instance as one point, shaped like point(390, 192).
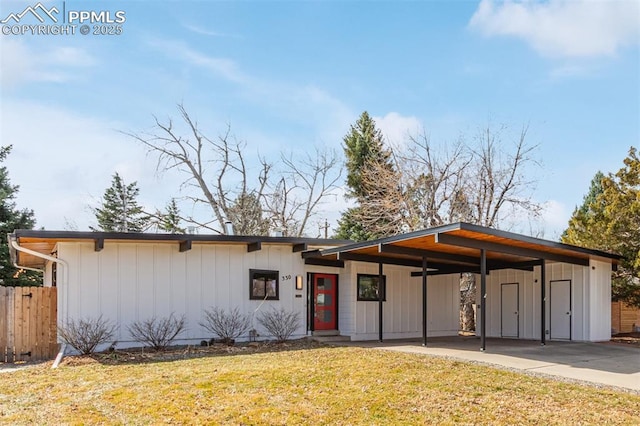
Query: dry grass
point(318, 385)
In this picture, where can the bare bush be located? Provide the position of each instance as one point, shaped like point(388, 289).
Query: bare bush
point(280, 323)
point(86, 334)
point(158, 332)
point(226, 325)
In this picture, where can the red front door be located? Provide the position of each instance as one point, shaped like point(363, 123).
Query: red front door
point(325, 311)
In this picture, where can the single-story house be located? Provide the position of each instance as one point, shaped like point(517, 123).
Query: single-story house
point(406, 286)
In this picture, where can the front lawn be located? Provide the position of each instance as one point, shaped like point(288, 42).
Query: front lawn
point(310, 386)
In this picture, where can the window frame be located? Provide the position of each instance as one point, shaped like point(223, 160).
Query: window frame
point(266, 275)
point(373, 277)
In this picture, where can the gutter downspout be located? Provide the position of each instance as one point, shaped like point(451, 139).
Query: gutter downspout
point(28, 268)
point(65, 277)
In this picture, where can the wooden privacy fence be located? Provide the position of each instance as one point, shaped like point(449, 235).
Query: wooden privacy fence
point(624, 318)
point(28, 317)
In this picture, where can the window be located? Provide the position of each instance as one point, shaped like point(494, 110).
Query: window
point(368, 287)
point(263, 284)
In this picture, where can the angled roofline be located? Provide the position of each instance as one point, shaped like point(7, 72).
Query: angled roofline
point(463, 226)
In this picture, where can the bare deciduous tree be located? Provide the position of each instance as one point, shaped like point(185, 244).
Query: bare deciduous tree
point(485, 182)
point(217, 176)
point(419, 192)
point(304, 184)
point(497, 179)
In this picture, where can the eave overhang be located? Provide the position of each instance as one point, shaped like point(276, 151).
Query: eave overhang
point(456, 248)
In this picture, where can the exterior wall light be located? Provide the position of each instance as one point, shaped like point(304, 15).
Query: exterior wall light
point(298, 282)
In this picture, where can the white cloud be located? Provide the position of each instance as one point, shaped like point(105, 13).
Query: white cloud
point(563, 28)
point(222, 67)
point(207, 32)
point(396, 128)
point(570, 71)
point(307, 104)
point(22, 63)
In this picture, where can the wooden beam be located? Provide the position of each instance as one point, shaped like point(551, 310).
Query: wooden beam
point(98, 244)
point(185, 246)
point(461, 270)
point(318, 261)
point(299, 247)
point(429, 254)
point(379, 259)
point(310, 253)
point(257, 246)
point(455, 240)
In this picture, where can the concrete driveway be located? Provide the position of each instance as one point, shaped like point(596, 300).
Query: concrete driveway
point(599, 363)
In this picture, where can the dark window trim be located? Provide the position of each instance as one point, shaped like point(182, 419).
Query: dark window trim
point(257, 272)
point(384, 288)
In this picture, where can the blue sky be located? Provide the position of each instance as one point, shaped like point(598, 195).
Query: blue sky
point(293, 75)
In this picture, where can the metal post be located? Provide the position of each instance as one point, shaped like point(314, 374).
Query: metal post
point(543, 302)
point(424, 301)
point(381, 291)
point(483, 299)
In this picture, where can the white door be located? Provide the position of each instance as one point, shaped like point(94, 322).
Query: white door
point(560, 310)
point(509, 308)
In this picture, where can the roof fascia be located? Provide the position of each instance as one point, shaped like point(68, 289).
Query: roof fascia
point(142, 236)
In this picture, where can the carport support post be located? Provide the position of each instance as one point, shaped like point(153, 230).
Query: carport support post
point(424, 301)
point(543, 302)
point(381, 290)
point(483, 299)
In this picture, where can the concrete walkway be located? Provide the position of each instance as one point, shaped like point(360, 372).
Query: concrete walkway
point(599, 363)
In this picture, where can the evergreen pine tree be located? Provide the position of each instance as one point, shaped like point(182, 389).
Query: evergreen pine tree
point(169, 221)
point(119, 210)
point(609, 219)
point(364, 150)
point(11, 218)
point(586, 218)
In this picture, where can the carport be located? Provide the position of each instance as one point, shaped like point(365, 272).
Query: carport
point(465, 248)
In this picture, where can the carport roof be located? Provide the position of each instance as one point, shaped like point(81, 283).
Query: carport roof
point(456, 248)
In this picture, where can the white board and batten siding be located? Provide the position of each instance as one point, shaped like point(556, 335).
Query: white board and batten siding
point(584, 311)
point(599, 302)
point(127, 282)
point(402, 310)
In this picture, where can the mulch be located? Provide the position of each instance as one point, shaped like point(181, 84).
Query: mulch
point(627, 338)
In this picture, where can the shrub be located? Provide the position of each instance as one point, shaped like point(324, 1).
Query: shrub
point(157, 332)
point(226, 325)
point(280, 323)
point(86, 334)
